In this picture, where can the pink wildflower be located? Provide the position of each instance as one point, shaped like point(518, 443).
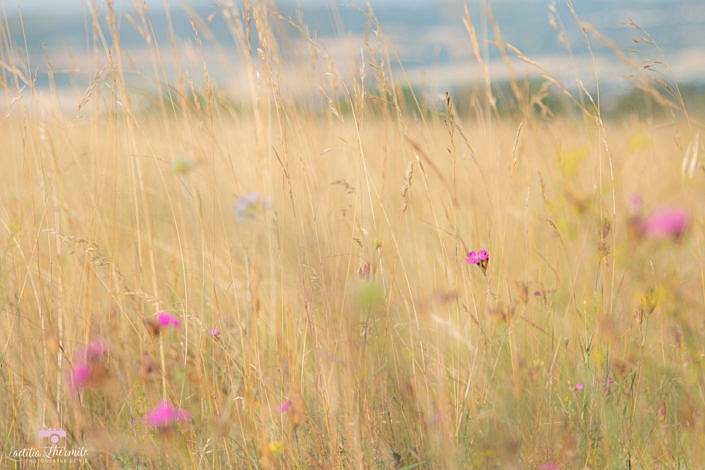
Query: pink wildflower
point(165, 414)
point(215, 332)
point(480, 258)
point(472, 258)
point(167, 319)
point(666, 223)
point(88, 367)
point(96, 349)
point(80, 374)
point(161, 321)
point(576, 387)
point(551, 466)
point(477, 257)
point(285, 406)
point(93, 351)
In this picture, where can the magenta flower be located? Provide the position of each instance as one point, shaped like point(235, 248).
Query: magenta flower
point(165, 414)
point(472, 258)
point(666, 223)
point(576, 387)
point(167, 319)
point(80, 374)
point(215, 332)
point(480, 258)
point(87, 366)
point(285, 406)
point(550, 466)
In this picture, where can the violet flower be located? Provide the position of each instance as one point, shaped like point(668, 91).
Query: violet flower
point(249, 205)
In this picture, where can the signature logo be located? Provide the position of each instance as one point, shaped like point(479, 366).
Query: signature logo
point(51, 448)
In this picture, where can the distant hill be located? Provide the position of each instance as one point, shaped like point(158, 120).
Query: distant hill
point(429, 37)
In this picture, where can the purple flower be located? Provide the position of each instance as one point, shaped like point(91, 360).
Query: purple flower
point(285, 406)
point(666, 223)
point(248, 205)
point(576, 387)
point(167, 319)
point(215, 332)
point(165, 414)
point(482, 255)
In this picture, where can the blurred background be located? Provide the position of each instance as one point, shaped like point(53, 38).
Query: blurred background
point(428, 43)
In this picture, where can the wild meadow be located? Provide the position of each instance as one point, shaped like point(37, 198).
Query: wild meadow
point(352, 277)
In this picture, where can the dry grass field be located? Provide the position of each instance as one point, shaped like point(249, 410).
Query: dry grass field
point(293, 282)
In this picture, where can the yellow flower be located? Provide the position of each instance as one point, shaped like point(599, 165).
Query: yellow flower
point(276, 447)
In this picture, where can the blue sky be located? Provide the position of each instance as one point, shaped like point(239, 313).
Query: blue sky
point(77, 5)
